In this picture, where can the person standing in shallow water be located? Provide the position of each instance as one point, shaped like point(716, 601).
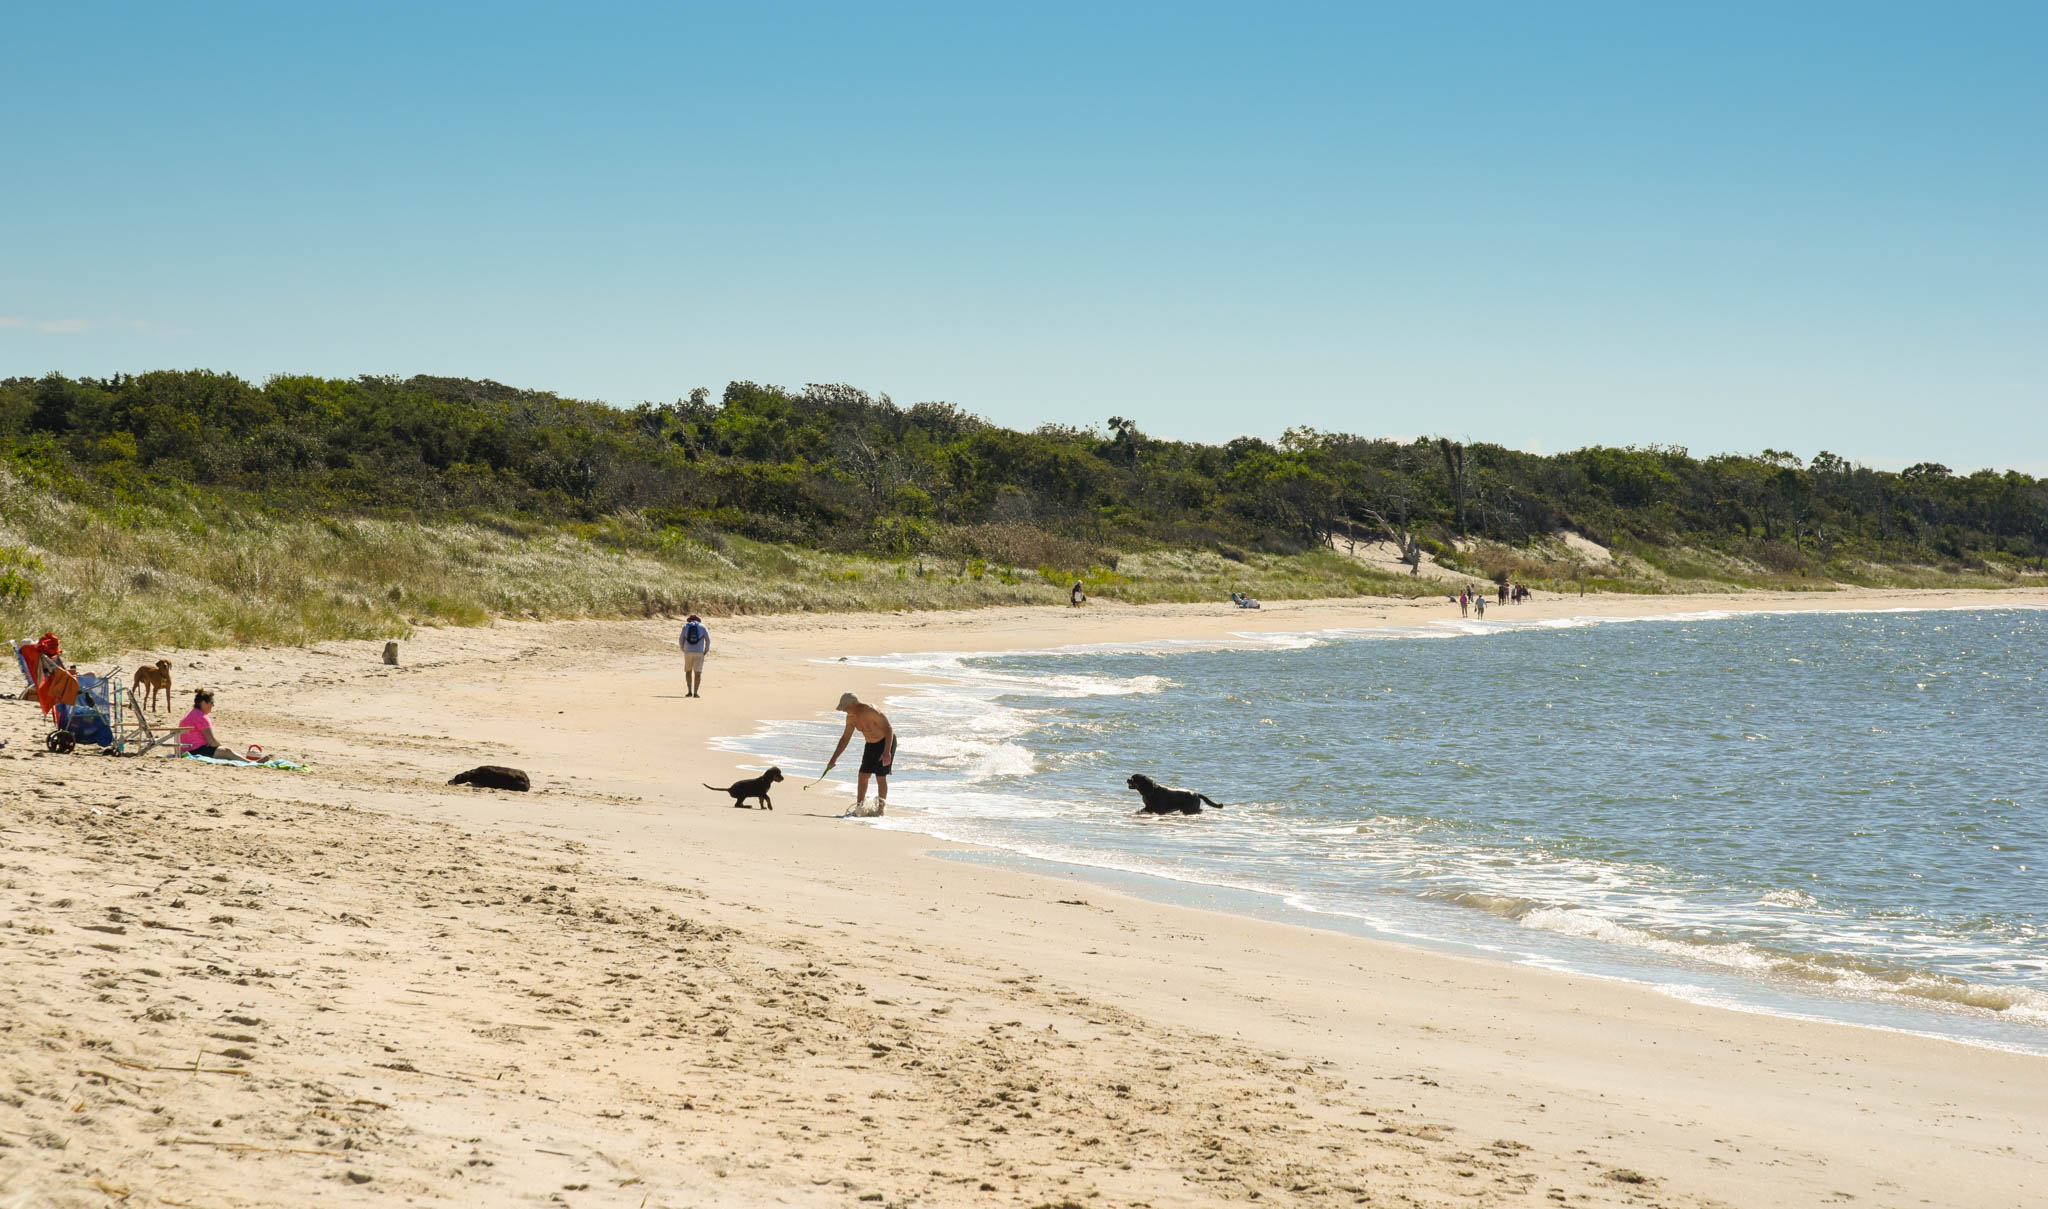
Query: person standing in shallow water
point(876, 759)
point(696, 643)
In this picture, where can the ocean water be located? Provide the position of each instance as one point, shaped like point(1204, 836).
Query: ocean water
point(1835, 815)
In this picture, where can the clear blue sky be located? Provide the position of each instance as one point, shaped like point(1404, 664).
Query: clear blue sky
point(1730, 227)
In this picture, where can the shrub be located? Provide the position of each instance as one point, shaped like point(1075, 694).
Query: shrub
point(1023, 545)
point(18, 571)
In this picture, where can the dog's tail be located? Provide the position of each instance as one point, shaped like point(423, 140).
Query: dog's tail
point(719, 788)
point(1211, 801)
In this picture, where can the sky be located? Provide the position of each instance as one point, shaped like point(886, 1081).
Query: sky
point(1729, 227)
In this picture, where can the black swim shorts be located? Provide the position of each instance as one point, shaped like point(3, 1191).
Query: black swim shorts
point(872, 757)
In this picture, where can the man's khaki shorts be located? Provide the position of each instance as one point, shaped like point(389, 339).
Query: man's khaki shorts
point(693, 661)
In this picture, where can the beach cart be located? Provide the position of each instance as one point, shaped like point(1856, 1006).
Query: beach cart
point(88, 719)
point(106, 715)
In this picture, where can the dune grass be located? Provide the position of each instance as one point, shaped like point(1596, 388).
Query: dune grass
point(203, 571)
point(128, 576)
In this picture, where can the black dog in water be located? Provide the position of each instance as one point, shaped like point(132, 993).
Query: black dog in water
point(752, 787)
point(1160, 799)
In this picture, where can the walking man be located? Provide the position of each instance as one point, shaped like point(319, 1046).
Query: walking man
point(696, 643)
point(876, 759)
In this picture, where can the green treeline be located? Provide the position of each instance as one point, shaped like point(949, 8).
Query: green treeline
point(835, 468)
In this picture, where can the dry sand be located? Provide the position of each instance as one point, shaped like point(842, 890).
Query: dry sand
point(354, 984)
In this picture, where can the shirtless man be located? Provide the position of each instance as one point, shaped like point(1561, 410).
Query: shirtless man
point(876, 759)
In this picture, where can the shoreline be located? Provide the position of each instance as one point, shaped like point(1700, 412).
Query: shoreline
point(619, 982)
point(1930, 1013)
point(1272, 907)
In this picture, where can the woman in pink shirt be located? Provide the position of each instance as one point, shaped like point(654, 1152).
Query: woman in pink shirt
point(198, 739)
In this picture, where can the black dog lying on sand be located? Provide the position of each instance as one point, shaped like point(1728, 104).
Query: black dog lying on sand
point(752, 787)
point(494, 776)
point(1161, 799)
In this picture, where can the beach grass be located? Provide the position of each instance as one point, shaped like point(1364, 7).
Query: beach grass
point(127, 576)
point(200, 571)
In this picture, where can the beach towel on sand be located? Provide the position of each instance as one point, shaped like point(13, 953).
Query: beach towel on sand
point(273, 762)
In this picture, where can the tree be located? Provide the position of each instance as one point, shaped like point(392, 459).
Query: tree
point(1124, 435)
point(1454, 466)
point(1402, 539)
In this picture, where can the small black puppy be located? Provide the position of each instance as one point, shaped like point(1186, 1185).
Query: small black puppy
point(1161, 799)
point(752, 787)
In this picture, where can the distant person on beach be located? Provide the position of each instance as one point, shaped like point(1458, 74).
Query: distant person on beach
point(1464, 602)
point(876, 759)
point(696, 643)
point(1503, 591)
point(1077, 596)
point(1479, 602)
point(199, 739)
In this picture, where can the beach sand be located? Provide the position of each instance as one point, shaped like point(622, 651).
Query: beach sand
point(356, 984)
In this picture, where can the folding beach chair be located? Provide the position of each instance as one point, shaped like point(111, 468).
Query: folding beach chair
point(132, 734)
point(24, 661)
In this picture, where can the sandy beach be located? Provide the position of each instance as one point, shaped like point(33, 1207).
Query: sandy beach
point(355, 983)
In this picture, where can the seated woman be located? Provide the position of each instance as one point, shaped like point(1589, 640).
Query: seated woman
point(198, 739)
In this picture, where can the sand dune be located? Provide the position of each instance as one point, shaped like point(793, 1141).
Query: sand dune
point(231, 986)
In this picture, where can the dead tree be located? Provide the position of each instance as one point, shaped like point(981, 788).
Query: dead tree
point(1454, 465)
point(1401, 539)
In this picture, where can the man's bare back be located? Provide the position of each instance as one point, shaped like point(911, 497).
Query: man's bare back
point(879, 758)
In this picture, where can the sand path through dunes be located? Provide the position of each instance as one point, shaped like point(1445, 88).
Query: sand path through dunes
point(240, 987)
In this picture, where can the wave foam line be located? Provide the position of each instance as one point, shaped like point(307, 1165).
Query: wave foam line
point(1861, 979)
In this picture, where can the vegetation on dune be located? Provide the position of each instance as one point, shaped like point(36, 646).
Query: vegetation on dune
point(192, 508)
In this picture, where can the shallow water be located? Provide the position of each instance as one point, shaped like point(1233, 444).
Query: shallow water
point(1839, 815)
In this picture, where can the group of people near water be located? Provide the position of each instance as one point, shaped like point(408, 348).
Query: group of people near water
point(1509, 591)
point(878, 755)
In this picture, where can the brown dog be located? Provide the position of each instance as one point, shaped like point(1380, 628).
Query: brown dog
point(156, 679)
